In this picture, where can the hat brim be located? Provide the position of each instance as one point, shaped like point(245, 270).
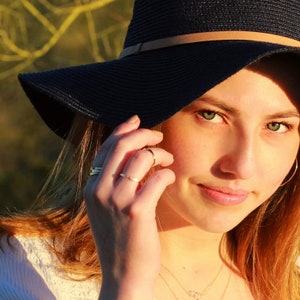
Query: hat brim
point(154, 85)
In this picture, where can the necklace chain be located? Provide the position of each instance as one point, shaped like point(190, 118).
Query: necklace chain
point(197, 295)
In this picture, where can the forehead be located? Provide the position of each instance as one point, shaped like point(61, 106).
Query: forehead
point(268, 86)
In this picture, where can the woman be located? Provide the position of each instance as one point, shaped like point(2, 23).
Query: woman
point(195, 196)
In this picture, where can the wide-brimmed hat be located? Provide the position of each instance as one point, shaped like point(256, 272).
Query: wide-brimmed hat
point(174, 51)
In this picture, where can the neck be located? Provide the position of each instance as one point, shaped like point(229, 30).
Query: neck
point(179, 238)
point(196, 248)
point(191, 263)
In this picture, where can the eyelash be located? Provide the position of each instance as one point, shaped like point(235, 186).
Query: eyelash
point(288, 126)
point(200, 113)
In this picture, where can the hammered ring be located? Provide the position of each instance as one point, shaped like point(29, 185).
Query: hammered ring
point(131, 178)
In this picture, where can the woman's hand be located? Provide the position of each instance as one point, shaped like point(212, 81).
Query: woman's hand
point(122, 211)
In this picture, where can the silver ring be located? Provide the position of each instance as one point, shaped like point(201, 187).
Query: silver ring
point(153, 156)
point(131, 178)
point(96, 171)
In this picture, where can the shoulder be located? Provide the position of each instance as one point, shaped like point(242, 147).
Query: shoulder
point(28, 272)
point(18, 278)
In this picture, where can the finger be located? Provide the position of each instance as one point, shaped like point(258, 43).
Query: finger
point(123, 149)
point(118, 150)
point(107, 147)
point(141, 162)
point(126, 138)
point(90, 190)
point(136, 170)
point(147, 197)
point(124, 128)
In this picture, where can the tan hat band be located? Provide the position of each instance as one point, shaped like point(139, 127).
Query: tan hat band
point(207, 37)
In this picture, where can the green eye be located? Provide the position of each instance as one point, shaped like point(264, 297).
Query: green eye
point(211, 116)
point(278, 126)
point(274, 126)
point(208, 115)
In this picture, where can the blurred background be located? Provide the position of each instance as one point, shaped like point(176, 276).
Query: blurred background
point(37, 35)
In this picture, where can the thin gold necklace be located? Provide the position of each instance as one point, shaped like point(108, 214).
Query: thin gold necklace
point(193, 293)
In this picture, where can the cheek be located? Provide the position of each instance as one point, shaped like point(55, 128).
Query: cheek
point(279, 168)
point(190, 152)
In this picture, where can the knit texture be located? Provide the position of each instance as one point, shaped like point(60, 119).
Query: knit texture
point(28, 272)
point(189, 16)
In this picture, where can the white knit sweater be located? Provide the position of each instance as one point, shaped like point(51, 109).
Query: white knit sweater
point(27, 272)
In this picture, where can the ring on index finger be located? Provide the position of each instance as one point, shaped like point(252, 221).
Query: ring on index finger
point(96, 171)
point(153, 156)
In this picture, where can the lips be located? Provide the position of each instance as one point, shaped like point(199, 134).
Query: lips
point(224, 195)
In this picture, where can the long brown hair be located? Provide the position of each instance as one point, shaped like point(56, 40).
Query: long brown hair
point(59, 214)
point(265, 245)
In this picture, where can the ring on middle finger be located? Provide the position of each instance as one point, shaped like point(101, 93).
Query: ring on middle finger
point(131, 178)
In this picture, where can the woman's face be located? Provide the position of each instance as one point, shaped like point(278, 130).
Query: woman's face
point(232, 147)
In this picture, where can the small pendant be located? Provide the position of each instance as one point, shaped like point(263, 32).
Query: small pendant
point(195, 295)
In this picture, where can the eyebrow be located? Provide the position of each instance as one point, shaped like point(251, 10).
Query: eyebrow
point(285, 114)
point(282, 114)
point(213, 101)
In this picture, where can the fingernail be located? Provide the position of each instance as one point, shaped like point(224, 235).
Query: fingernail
point(133, 119)
point(158, 133)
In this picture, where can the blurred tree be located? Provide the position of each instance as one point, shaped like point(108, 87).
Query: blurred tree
point(36, 35)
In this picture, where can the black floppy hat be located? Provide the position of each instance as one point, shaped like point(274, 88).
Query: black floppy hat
point(174, 51)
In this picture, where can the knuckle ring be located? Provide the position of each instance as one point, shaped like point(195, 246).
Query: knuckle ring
point(153, 156)
point(131, 178)
point(96, 171)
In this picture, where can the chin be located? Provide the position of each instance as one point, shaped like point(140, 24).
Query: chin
point(218, 224)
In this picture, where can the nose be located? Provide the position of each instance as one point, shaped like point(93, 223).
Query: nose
point(240, 158)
